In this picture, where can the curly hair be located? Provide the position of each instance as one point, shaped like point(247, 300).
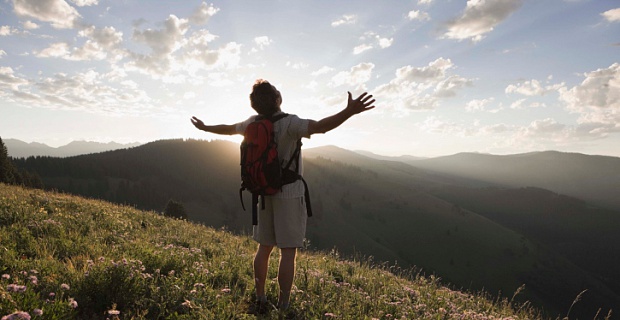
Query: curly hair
point(265, 98)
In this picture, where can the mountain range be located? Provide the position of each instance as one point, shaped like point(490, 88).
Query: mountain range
point(21, 149)
point(474, 232)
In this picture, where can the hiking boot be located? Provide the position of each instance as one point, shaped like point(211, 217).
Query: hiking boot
point(259, 307)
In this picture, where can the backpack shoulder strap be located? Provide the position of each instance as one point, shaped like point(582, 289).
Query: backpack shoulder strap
point(278, 117)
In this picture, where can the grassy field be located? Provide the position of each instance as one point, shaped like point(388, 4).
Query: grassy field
point(66, 257)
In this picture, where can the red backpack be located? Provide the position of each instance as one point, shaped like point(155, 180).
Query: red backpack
point(261, 171)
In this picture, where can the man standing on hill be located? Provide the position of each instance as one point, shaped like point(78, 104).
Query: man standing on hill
point(282, 222)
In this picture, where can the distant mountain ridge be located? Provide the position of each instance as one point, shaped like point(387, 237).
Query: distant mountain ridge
point(21, 149)
point(593, 178)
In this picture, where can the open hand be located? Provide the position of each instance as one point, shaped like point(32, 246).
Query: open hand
point(361, 104)
point(197, 123)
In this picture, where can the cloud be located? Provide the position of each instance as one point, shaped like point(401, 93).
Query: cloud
point(2, 53)
point(7, 31)
point(478, 104)
point(425, 2)
point(361, 48)
point(30, 25)
point(533, 88)
point(437, 125)
point(418, 15)
point(521, 104)
point(344, 20)
point(202, 14)
point(57, 12)
point(85, 3)
point(55, 50)
point(597, 98)
point(612, 15)
point(357, 76)
point(421, 88)
point(9, 80)
point(479, 18)
point(385, 42)
point(372, 40)
point(162, 42)
point(89, 91)
point(262, 41)
point(322, 70)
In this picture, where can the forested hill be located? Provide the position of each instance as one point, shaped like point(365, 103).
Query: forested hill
point(393, 211)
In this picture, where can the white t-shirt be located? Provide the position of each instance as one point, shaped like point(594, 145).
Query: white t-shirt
point(288, 131)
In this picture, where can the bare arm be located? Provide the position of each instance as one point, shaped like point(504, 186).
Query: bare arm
point(359, 105)
point(226, 129)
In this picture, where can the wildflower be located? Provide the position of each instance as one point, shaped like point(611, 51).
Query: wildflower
point(6, 276)
point(72, 303)
point(199, 285)
point(37, 312)
point(330, 315)
point(187, 304)
point(65, 286)
point(226, 290)
point(19, 315)
point(16, 288)
point(33, 279)
point(114, 312)
point(52, 295)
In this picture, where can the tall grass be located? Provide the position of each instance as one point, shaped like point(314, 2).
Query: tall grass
point(65, 257)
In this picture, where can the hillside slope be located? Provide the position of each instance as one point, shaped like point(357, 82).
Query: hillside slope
point(386, 209)
point(66, 257)
point(592, 178)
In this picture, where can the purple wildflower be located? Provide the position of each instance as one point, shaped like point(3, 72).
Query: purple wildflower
point(19, 315)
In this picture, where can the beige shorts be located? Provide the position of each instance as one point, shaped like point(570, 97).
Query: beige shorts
point(282, 223)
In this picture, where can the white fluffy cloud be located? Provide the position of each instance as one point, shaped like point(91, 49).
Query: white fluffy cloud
point(597, 98)
point(30, 25)
point(479, 18)
point(478, 104)
point(203, 13)
point(7, 31)
point(9, 80)
point(85, 3)
point(418, 15)
point(419, 88)
point(262, 41)
point(57, 12)
point(100, 44)
point(89, 91)
point(612, 15)
point(533, 88)
point(345, 19)
point(356, 77)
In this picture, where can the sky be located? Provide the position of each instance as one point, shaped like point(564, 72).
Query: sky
point(488, 76)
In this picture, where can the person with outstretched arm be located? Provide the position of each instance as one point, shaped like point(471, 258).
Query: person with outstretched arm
point(283, 221)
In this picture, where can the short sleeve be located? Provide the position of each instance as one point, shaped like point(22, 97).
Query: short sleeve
point(240, 127)
point(298, 128)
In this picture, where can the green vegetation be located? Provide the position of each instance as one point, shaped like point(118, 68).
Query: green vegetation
point(472, 236)
point(71, 258)
point(11, 175)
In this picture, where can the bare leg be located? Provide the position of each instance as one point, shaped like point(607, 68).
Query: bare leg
point(286, 274)
point(261, 265)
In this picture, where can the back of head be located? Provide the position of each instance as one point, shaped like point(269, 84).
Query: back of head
point(265, 98)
